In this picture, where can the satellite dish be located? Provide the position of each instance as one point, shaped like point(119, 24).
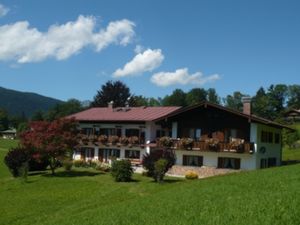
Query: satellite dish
point(262, 150)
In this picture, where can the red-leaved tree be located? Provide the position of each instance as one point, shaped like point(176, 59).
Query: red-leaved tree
point(53, 140)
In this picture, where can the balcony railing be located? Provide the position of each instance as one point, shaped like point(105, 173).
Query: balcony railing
point(103, 140)
point(206, 146)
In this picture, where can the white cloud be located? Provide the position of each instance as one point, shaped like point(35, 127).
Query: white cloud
point(3, 10)
point(182, 76)
point(145, 61)
point(138, 49)
point(24, 44)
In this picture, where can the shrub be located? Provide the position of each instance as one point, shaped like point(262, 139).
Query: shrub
point(101, 166)
point(191, 175)
point(67, 164)
point(289, 138)
point(38, 163)
point(79, 163)
point(91, 163)
point(121, 170)
point(17, 161)
point(160, 169)
point(150, 159)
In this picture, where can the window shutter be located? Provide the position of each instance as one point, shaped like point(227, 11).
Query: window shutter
point(220, 162)
point(237, 163)
point(184, 160)
point(200, 160)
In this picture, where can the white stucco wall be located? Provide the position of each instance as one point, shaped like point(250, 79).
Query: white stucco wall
point(248, 161)
point(272, 149)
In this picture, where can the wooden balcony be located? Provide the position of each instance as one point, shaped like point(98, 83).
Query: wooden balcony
point(207, 146)
point(107, 141)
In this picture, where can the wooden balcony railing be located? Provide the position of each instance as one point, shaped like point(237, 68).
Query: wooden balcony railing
point(103, 140)
point(207, 146)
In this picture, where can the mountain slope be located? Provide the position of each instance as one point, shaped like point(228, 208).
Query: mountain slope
point(18, 103)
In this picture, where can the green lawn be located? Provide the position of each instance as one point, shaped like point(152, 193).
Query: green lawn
point(269, 196)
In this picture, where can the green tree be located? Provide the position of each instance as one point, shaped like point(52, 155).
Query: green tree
point(138, 101)
point(38, 116)
point(260, 104)
point(277, 97)
point(4, 122)
point(195, 96)
point(64, 109)
point(154, 102)
point(177, 98)
point(212, 96)
point(234, 101)
point(117, 91)
point(294, 96)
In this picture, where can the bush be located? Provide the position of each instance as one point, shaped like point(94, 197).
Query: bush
point(101, 166)
point(160, 169)
point(67, 164)
point(90, 163)
point(289, 138)
point(79, 163)
point(38, 163)
point(150, 159)
point(191, 175)
point(121, 170)
point(17, 161)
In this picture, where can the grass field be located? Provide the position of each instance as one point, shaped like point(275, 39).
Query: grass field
point(290, 154)
point(269, 196)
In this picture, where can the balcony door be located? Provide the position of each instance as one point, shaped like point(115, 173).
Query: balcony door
point(229, 163)
point(108, 154)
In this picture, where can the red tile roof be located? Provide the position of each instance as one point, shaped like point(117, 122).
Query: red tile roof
point(122, 114)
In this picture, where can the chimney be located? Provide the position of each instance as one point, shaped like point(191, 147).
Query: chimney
point(246, 105)
point(110, 105)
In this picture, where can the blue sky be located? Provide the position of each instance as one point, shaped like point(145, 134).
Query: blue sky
point(153, 46)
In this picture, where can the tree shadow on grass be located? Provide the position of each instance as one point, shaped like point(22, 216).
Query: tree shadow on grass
point(290, 162)
point(74, 174)
point(35, 173)
point(134, 181)
point(170, 181)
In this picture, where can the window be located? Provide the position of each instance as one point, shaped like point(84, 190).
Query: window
point(263, 163)
point(87, 153)
point(229, 163)
point(132, 132)
point(195, 133)
point(87, 131)
point(160, 133)
point(268, 162)
point(97, 131)
point(266, 137)
point(109, 153)
point(271, 162)
point(110, 131)
point(198, 134)
point(132, 154)
point(192, 160)
point(277, 138)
